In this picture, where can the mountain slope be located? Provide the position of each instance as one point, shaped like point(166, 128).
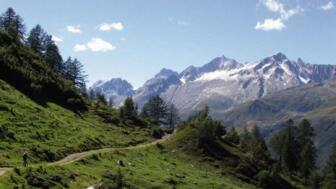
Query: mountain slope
point(315, 102)
point(177, 162)
point(28, 72)
point(116, 89)
point(50, 132)
point(234, 83)
point(224, 83)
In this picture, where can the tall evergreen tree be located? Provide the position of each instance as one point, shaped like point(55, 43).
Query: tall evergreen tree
point(101, 98)
point(245, 139)
point(329, 172)
point(172, 116)
point(156, 108)
point(232, 136)
point(128, 110)
point(75, 73)
point(54, 58)
point(12, 24)
point(36, 39)
point(286, 145)
point(307, 149)
point(258, 145)
point(290, 148)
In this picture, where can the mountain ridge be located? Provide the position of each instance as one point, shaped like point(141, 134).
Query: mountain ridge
point(224, 83)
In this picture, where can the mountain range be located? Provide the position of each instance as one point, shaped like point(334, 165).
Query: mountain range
point(221, 84)
point(265, 93)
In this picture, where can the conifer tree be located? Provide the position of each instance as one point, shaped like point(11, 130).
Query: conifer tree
point(101, 98)
point(329, 172)
point(286, 145)
point(245, 139)
point(128, 109)
point(232, 136)
point(307, 149)
point(36, 39)
point(172, 116)
point(75, 73)
point(156, 109)
point(53, 58)
point(258, 145)
point(12, 24)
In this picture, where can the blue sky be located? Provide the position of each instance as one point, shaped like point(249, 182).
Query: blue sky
point(134, 39)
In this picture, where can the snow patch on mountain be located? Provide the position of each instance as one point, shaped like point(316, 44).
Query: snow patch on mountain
point(224, 83)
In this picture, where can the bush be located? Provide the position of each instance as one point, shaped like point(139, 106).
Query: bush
point(264, 178)
point(157, 133)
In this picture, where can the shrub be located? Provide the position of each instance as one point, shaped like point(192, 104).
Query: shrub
point(157, 133)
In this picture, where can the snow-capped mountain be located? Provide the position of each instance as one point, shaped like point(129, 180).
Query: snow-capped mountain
point(117, 89)
point(156, 86)
point(224, 83)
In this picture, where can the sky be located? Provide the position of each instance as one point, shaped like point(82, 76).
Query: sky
point(135, 39)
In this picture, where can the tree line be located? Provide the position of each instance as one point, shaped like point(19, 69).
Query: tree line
point(36, 60)
point(293, 150)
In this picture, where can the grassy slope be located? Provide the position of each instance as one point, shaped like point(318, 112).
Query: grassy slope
point(54, 131)
point(176, 164)
point(150, 167)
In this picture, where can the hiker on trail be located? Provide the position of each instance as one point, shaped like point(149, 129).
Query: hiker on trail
point(25, 159)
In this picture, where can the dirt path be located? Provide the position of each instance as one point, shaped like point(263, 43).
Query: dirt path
point(3, 170)
point(78, 156)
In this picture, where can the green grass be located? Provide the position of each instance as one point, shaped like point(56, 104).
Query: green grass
point(150, 167)
point(51, 132)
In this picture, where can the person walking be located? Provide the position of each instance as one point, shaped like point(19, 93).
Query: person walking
point(25, 159)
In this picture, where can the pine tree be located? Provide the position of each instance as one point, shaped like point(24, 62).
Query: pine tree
point(36, 39)
point(101, 98)
point(12, 24)
point(74, 72)
point(307, 149)
point(245, 139)
point(172, 116)
point(53, 58)
point(258, 145)
point(156, 109)
point(290, 148)
point(232, 136)
point(329, 172)
point(128, 109)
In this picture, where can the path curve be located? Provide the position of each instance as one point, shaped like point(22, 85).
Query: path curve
point(78, 156)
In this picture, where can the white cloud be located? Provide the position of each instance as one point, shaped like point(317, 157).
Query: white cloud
point(95, 45)
point(74, 29)
point(109, 26)
point(274, 6)
point(328, 6)
point(80, 47)
point(277, 7)
point(123, 39)
point(270, 24)
point(98, 44)
point(56, 39)
point(284, 14)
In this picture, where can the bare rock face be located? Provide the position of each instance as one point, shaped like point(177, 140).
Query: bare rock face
point(116, 89)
